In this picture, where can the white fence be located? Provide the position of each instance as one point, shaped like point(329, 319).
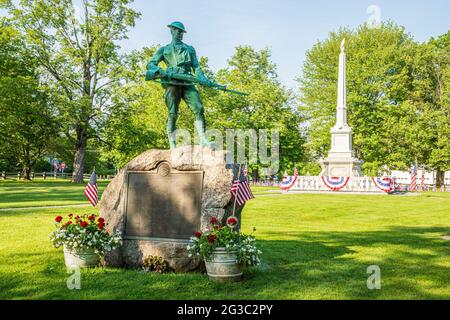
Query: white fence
point(355, 184)
point(47, 175)
point(404, 177)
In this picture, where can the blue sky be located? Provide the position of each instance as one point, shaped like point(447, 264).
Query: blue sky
point(287, 27)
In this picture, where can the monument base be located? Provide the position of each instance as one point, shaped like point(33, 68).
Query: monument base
point(160, 198)
point(340, 167)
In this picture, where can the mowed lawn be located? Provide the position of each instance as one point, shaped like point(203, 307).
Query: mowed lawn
point(315, 246)
point(19, 194)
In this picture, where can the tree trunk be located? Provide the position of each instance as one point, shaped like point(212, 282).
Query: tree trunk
point(439, 178)
point(255, 175)
point(26, 170)
point(26, 167)
point(80, 152)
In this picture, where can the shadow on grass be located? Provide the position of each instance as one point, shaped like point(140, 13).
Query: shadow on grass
point(311, 265)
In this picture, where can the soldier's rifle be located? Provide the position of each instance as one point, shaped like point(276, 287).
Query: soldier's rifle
point(189, 80)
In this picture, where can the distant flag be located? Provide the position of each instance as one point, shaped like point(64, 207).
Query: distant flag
point(413, 184)
point(422, 181)
point(91, 191)
point(240, 188)
point(295, 172)
point(245, 170)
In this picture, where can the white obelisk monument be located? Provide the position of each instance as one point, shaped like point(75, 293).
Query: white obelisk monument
point(341, 161)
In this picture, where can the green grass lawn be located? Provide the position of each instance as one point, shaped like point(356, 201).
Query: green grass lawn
point(314, 247)
point(19, 194)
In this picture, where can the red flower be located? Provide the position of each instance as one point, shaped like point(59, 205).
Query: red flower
point(231, 221)
point(101, 220)
point(214, 220)
point(84, 224)
point(101, 226)
point(70, 215)
point(58, 219)
point(198, 234)
point(212, 238)
point(69, 222)
point(91, 217)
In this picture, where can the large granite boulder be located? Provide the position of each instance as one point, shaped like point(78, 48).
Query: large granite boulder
point(214, 196)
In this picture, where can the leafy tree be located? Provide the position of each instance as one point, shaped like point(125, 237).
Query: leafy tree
point(139, 120)
point(78, 53)
point(28, 123)
point(269, 106)
point(430, 104)
point(379, 82)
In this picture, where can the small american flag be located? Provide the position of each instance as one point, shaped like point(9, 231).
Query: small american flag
point(422, 181)
point(413, 184)
point(91, 191)
point(240, 188)
point(295, 172)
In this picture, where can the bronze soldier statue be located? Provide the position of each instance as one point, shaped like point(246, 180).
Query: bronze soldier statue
point(180, 58)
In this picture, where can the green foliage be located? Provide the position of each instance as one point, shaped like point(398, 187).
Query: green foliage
point(79, 59)
point(269, 106)
point(203, 244)
point(309, 168)
point(28, 123)
point(156, 264)
point(139, 118)
point(84, 231)
point(395, 97)
point(439, 94)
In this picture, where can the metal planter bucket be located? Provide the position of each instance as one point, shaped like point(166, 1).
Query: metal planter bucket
point(82, 258)
point(223, 266)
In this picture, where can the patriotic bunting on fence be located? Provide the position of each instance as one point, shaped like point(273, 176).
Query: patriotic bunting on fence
point(335, 183)
point(385, 184)
point(288, 182)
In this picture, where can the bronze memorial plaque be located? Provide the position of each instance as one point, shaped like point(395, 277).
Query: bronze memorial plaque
point(163, 204)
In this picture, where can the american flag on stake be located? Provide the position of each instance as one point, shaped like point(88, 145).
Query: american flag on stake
point(240, 188)
point(413, 184)
point(91, 191)
point(422, 181)
point(295, 172)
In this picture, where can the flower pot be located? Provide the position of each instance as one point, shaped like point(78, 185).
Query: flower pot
point(82, 258)
point(223, 266)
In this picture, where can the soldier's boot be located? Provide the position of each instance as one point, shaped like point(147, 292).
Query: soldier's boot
point(200, 127)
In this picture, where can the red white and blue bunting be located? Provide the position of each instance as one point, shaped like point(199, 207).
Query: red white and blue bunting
point(335, 183)
point(386, 184)
point(288, 182)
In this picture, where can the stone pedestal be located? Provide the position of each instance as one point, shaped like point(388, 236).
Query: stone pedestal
point(341, 161)
point(340, 167)
point(161, 197)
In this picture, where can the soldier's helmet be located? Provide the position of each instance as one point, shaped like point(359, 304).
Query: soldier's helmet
point(178, 25)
